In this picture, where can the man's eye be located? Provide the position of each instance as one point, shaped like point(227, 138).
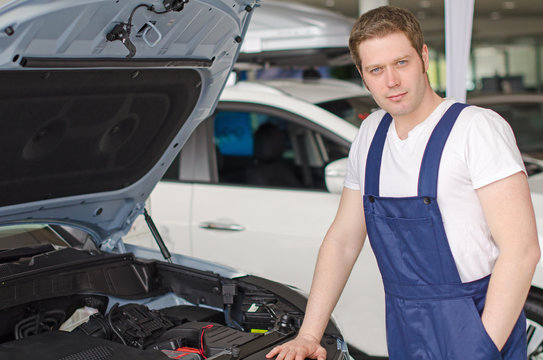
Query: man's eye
point(402, 62)
point(375, 70)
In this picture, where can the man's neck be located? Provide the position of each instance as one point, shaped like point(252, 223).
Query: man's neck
point(405, 123)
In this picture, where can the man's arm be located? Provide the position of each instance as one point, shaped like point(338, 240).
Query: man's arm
point(508, 210)
point(337, 255)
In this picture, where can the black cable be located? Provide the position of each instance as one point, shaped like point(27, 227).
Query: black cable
point(38, 323)
point(159, 12)
point(150, 8)
point(129, 23)
point(113, 308)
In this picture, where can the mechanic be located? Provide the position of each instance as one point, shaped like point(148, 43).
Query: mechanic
point(444, 244)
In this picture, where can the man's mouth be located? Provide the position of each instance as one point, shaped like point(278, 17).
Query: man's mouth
point(396, 97)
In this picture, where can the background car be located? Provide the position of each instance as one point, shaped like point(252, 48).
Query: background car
point(96, 99)
point(263, 202)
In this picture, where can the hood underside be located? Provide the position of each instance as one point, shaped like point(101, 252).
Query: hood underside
point(87, 131)
point(97, 97)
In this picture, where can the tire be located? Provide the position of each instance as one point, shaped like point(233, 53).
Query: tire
point(534, 324)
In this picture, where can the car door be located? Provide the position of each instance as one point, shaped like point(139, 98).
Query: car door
point(253, 179)
point(266, 205)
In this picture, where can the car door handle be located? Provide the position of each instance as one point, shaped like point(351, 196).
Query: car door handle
point(220, 226)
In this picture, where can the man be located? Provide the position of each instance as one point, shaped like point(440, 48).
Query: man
point(441, 191)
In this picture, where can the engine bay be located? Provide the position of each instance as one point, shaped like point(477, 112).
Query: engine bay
point(194, 333)
point(94, 305)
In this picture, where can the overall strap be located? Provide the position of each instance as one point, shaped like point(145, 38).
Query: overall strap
point(375, 154)
point(429, 169)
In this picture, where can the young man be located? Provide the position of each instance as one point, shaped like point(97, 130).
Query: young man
point(441, 191)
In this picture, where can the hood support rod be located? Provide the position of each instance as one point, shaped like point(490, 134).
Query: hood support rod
point(163, 249)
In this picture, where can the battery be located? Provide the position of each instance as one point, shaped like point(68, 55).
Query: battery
point(257, 318)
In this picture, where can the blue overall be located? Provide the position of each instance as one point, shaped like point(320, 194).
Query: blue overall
point(430, 313)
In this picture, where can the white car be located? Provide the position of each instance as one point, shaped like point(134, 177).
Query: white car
point(96, 99)
point(261, 197)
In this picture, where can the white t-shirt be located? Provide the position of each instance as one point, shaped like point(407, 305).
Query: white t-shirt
point(481, 149)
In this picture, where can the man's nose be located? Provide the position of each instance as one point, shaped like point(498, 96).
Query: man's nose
point(392, 78)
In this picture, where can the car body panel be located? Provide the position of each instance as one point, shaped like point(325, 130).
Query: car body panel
point(321, 90)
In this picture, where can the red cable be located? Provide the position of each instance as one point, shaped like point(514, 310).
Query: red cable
point(202, 340)
point(180, 356)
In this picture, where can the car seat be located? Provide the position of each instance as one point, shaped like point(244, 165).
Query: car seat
point(269, 168)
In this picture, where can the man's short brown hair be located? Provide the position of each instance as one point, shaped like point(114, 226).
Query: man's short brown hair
point(383, 21)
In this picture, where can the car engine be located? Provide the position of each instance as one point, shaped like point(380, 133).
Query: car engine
point(140, 309)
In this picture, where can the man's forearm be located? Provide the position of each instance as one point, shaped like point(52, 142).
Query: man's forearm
point(334, 265)
point(510, 216)
point(337, 255)
point(509, 285)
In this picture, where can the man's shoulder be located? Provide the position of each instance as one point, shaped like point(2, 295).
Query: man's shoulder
point(474, 111)
point(473, 115)
point(477, 122)
point(373, 120)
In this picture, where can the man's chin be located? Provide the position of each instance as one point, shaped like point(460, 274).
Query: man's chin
point(396, 109)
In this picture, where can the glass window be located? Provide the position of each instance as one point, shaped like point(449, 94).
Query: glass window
point(522, 67)
point(259, 149)
point(16, 236)
point(233, 133)
point(489, 66)
point(354, 110)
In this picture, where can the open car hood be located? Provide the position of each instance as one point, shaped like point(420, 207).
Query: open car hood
point(98, 96)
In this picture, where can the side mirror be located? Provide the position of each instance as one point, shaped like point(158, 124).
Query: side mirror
point(334, 174)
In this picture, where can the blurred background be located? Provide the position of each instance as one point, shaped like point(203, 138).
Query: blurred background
point(507, 40)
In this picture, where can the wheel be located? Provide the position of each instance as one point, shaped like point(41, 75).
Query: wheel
point(534, 324)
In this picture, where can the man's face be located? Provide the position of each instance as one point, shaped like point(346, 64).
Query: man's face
point(393, 73)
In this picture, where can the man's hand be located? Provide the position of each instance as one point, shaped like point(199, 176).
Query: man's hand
point(304, 346)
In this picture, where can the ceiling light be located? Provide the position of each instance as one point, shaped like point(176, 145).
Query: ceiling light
point(494, 15)
point(509, 5)
point(425, 4)
point(330, 3)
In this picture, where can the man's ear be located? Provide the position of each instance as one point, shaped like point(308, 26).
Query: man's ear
point(425, 58)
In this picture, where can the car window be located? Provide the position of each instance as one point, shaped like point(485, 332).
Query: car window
point(354, 110)
point(257, 148)
point(260, 149)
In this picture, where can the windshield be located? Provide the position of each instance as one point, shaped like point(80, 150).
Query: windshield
point(28, 235)
point(354, 109)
